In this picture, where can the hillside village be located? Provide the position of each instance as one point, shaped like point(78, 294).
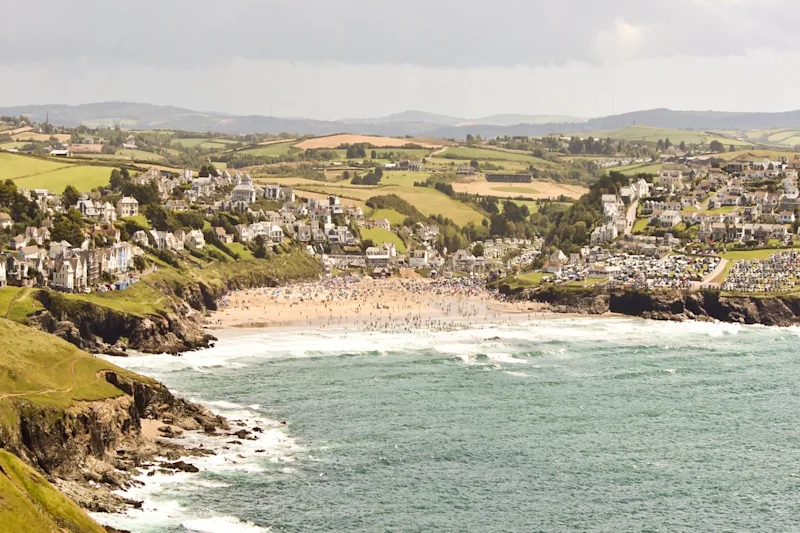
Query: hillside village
point(671, 217)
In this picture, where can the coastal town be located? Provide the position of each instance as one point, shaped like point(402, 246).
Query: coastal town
point(670, 230)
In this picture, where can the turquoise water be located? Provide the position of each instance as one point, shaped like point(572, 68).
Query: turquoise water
point(586, 425)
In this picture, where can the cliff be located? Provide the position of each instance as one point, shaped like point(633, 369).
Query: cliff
point(667, 305)
point(77, 419)
point(163, 312)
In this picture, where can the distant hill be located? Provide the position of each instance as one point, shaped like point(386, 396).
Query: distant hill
point(408, 123)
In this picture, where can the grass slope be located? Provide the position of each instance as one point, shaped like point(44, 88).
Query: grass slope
point(29, 503)
point(380, 236)
point(48, 371)
point(14, 166)
point(84, 178)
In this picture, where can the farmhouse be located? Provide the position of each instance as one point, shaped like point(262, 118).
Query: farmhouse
point(127, 206)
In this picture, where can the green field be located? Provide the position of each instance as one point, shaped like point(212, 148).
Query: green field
point(141, 155)
point(487, 154)
point(403, 177)
point(651, 134)
point(391, 215)
point(17, 166)
point(274, 150)
point(430, 202)
point(13, 145)
point(380, 236)
point(139, 299)
point(749, 255)
point(639, 168)
point(198, 141)
point(84, 178)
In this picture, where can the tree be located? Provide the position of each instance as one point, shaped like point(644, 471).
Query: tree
point(716, 147)
point(355, 151)
point(158, 217)
point(68, 227)
point(682, 146)
point(373, 155)
point(731, 148)
point(70, 196)
point(474, 164)
point(116, 181)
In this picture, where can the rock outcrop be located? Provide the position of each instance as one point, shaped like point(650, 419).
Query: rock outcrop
point(99, 441)
point(669, 305)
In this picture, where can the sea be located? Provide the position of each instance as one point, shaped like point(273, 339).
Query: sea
point(586, 425)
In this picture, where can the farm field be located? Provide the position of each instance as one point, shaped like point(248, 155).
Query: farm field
point(31, 136)
point(650, 134)
point(545, 189)
point(191, 142)
point(518, 190)
point(17, 166)
point(429, 201)
point(488, 154)
point(759, 154)
point(141, 155)
point(380, 236)
point(13, 145)
point(84, 178)
point(332, 141)
point(640, 168)
point(274, 149)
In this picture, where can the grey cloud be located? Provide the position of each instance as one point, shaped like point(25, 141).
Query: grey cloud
point(430, 33)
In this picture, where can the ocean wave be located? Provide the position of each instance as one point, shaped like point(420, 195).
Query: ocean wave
point(222, 524)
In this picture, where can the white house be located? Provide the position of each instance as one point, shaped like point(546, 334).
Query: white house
point(245, 191)
point(5, 221)
point(127, 206)
point(383, 223)
point(3, 277)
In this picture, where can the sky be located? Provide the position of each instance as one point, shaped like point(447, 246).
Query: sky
point(329, 59)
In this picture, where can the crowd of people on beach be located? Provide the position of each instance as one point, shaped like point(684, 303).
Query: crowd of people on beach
point(777, 273)
point(392, 304)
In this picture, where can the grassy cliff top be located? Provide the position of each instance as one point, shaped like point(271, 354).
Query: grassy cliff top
point(29, 503)
point(48, 371)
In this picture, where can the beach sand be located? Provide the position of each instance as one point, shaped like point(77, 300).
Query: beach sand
point(387, 304)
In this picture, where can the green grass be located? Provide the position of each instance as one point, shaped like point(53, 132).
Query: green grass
point(395, 218)
point(276, 149)
point(6, 295)
point(380, 236)
point(199, 141)
point(640, 225)
point(239, 248)
point(46, 370)
point(139, 299)
point(487, 154)
point(31, 504)
point(749, 255)
point(403, 178)
point(651, 134)
point(639, 168)
point(13, 145)
point(18, 166)
point(139, 219)
point(429, 201)
point(532, 278)
point(141, 155)
point(85, 178)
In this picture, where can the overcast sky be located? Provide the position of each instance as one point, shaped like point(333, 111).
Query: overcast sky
point(330, 59)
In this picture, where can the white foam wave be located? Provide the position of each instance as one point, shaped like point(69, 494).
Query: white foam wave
point(222, 524)
point(516, 374)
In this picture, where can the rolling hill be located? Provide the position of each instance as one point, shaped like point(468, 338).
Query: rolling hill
point(414, 123)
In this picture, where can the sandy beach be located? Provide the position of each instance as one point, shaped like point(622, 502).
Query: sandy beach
point(398, 303)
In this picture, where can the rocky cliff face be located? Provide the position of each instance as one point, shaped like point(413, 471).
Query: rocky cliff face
point(98, 441)
point(703, 305)
point(100, 329)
